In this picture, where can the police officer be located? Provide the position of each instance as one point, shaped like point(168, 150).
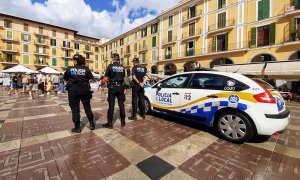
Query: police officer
point(115, 74)
point(78, 79)
point(138, 80)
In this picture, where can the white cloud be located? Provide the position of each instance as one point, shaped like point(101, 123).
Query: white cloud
point(78, 15)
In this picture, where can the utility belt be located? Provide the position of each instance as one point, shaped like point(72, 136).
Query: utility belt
point(113, 84)
point(77, 83)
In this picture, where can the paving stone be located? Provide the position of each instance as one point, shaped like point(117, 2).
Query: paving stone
point(11, 131)
point(9, 164)
point(154, 167)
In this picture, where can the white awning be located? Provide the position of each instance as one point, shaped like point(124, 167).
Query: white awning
point(284, 68)
point(18, 69)
point(49, 70)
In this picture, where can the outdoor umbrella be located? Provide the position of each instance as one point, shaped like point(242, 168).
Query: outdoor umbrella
point(49, 70)
point(18, 69)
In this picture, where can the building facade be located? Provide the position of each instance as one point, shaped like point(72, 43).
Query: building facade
point(206, 33)
point(36, 45)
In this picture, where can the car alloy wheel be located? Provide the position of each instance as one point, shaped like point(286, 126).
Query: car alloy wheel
point(235, 126)
point(147, 106)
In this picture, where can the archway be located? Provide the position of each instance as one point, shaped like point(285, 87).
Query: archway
point(170, 69)
point(191, 66)
point(154, 70)
point(263, 58)
point(295, 56)
point(220, 61)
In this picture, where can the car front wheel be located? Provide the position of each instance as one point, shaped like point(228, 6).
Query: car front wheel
point(235, 127)
point(147, 106)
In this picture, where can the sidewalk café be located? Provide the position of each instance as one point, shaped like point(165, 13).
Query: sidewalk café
point(282, 74)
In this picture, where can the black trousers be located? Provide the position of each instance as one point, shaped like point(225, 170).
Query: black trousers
point(113, 93)
point(75, 95)
point(138, 100)
point(42, 87)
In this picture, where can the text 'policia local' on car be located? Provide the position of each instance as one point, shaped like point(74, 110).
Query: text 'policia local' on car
point(237, 106)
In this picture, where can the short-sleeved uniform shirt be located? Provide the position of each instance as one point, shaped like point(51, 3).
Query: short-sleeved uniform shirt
point(139, 73)
point(115, 72)
point(77, 74)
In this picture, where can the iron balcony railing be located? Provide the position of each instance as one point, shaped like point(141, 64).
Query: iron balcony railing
point(198, 13)
point(221, 25)
point(170, 39)
point(227, 47)
point(191, 33)
point(290, 8)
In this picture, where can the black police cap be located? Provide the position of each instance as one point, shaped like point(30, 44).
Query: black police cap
point(137, 60)
point(115, 56)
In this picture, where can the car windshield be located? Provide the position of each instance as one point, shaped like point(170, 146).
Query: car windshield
point(264, 84)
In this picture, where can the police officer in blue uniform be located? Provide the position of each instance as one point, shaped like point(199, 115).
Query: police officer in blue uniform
point(78, 79)
point(115, 74)
point(138, 80)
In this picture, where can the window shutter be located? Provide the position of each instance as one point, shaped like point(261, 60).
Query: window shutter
point(5, 57)
point(293, 25)
point(226, 42)
point(154, 41)
point(253, 37)
point(260, 7)
point(266, 9)
point(22, 36)
point(14, 58)
point(223, 3)
point(29, 37)
point(214, 44)
point(272, 33)
point(25, 59)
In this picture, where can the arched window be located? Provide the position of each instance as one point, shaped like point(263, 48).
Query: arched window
point(220, 61)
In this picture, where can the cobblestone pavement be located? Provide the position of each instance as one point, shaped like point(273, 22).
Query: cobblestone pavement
point(36, 143)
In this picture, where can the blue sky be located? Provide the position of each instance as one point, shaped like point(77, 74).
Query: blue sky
point(97, 18)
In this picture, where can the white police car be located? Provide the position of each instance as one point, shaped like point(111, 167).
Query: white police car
point(237, 106)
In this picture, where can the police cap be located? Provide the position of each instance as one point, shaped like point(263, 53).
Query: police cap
point(137, 60)
point(115, 56)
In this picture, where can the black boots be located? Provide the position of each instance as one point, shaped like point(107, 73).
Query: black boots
point(108, 125)
point(76, 129)
point(133, 118)
point(123, 123)
point(92, 125)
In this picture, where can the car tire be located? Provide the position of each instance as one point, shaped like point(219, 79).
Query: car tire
point(147, 106)
point(235, 126)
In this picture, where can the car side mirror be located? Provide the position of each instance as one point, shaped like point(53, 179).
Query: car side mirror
point(159, 86)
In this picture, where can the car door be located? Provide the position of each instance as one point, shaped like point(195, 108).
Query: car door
point(200, 97)
point(166, 95)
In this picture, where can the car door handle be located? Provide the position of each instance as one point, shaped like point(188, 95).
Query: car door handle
point(212, 96)
point(175, 93)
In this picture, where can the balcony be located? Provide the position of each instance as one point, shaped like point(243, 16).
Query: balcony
point(41, 43)
point(291, 36)
point(40, 64)
point(169, 56)
point(12, 39)
point(67, 47)
point(290, 9)
point(41, 34)
point(191, 34)
point(41, 53)
point(9, 61)
point(9, 50)
point(169, 40)
point(188, 18)
point(229, 47)
point(64, 56)
point(192, 52)
point(88, 51)
point(89, 59)
point(221, 26)
point(127, 53)
point(143, 48)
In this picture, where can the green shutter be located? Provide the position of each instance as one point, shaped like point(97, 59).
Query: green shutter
point(144, 43)
point(253, 38)
point(260, 9)
point(29, 37)
point(66, 63)
point(214, 44)
point(154, 41)
point(223, 3)
point(272, 34)
point(135, 47)
point(293, 25)
point(5, 57)
point(266, 9)
point(25, 59)
point(14, 59)
point(22, 36)
point(54, 62)
point(226, 42)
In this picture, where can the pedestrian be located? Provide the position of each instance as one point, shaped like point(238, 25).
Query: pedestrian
point(127, 82)
point(49, 84)
point(14, 85)
point(139, 78)
point(78, 79)
point(55, 81)
point(19, 81)
point(41, 83)
point(29, 86)
point(61, 86)
point(24, 82)
point(115, 74)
